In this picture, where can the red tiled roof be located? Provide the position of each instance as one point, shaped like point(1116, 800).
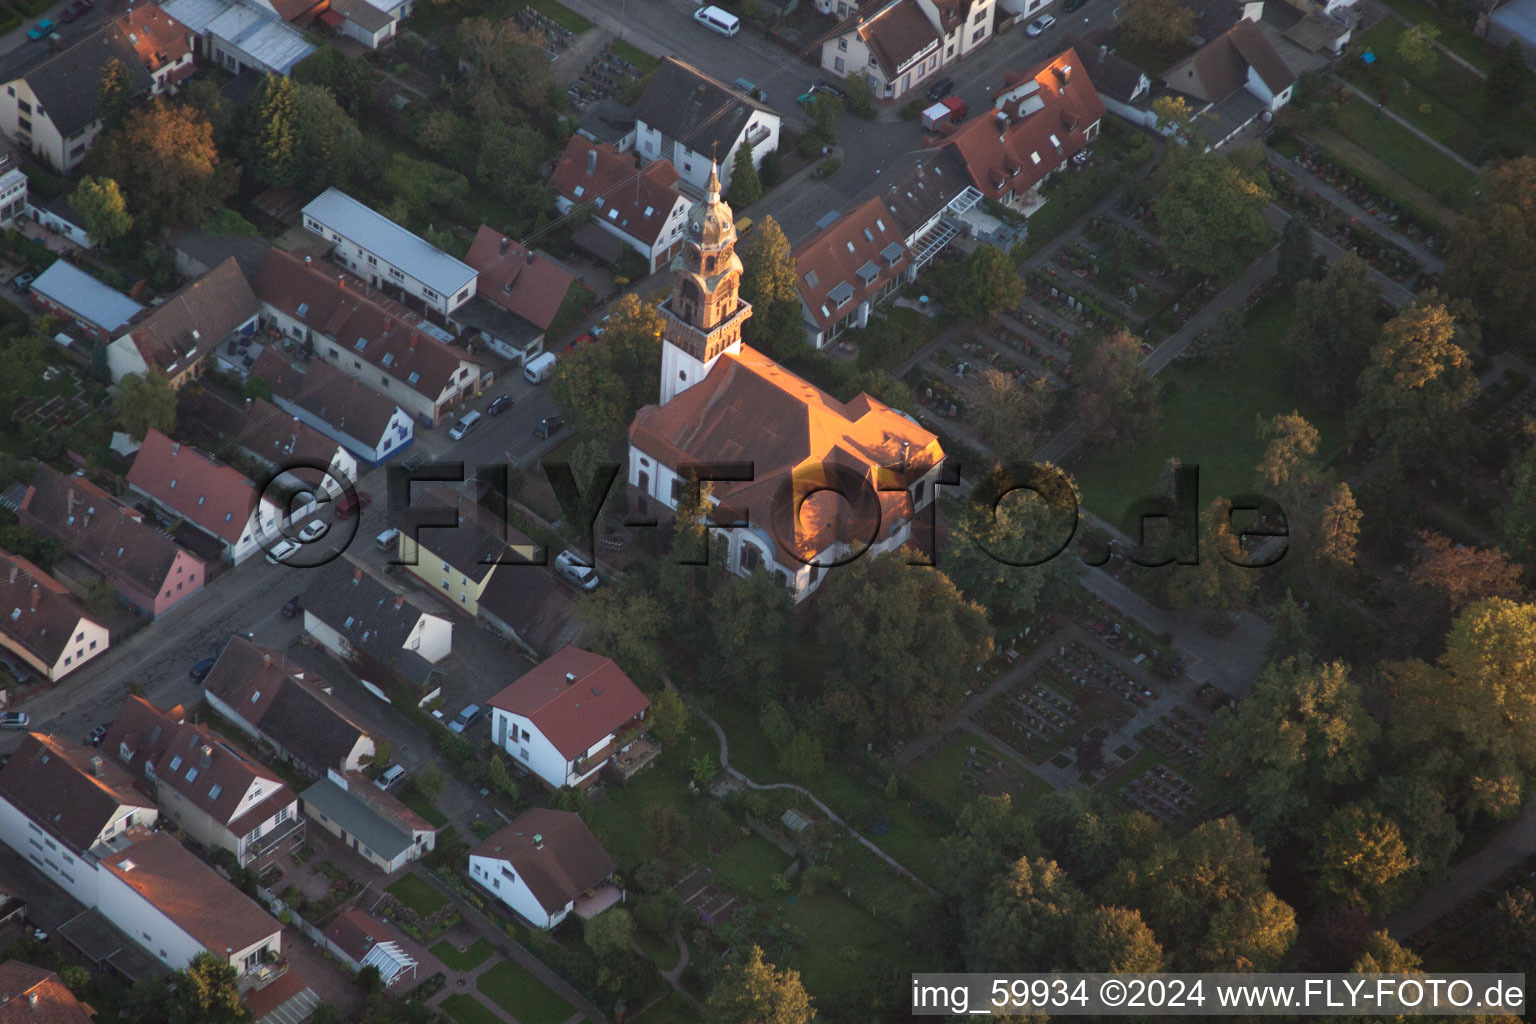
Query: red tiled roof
point(574, 714)
point(158, 38)
point(1053, 100)
point(319, 388)
point(622, 193)
point(21, 984)
point(53, 782)
point(188, 481)
point(834, 257)
point(190, 893)
point(185, 327)
point(356, 932)
point(527, 283)
point(261, 428)
point(36, 610)
point(897, 34)
point(566, 861)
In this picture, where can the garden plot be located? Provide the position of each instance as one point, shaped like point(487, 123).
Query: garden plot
point(66, 402)
point(706, 897)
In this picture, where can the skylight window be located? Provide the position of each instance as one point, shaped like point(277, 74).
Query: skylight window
point(213, 794)
point(255, 696)
point(880, 223)
point(415, 377)
point(869, 236)
point(613, 213)
point(389, 358)
point(1035, 157)
point(362, 343)
point(175, 762)
point(811, 280)
point(192, 774)
point(202, 498)
point(850, 246)
point(303, 309)
point(173, 485)
point(650, 210)
point(579, 190)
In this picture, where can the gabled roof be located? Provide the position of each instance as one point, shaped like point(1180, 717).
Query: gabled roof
point(284, 702)
point(698, 110)
point(71, 791)
point(532, 603)
point(56, 80)
point(376, 233)
point(1220, 67)
point(36, 611)
point(387, 336)
point(849, 260)
point(103, 532)
point(31, 995)
point(934, 181)
point(1048, 111)
point(1111, 74)
point(355, 933)
point(140, 733)
point(520, 280)
point(157, 38)
point(1256, 49)
point(188, 481)
point(190, 893)
point(476, 544)
point(372, 618)
point(378, 820)
point(189, 324)
point(575, 698)
point(261, 428)
point(554, 853)
point(896, 32)
point(320, 389)
point(637, 201)
point(363, 14)
point(89, 299)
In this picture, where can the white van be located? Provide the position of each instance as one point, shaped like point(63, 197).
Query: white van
point(724, 22)
point(538, 369)
point(469, 422)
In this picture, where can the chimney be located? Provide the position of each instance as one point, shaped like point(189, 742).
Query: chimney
point(1065, 74)
point(307, 259)
point(591, 162)
point(506, 243)
point(266, 661)
point(399, 601)
point(538, 841)
point(35, 589)
point(1103, 51)
point(32, 996)
point(13, 572)
point(906, 448)
point(357, 576)
point(530, 257)
point(570, 678)
point(247, 405)
point(98, 767)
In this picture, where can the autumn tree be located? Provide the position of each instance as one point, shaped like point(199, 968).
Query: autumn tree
point(1115, 939)
point(1338, 534)
point(1008, 411)
point(166, 163)
point(745, 188)
point(755, 992)
point(1335, 326)
point(988, 838)
point(1211, 214)
point(1418, 381)
point(1361, 860)
point(1290, 453)
point(1218, 581)
point(100, 202)
point(1005, 549)
point(1115, 398)
point(1416, 47)
point(1298, 737)
point(1163, 24)
point(1511, 938)
point(1087, 836)
point(508, 71)
point(982, 285)
point(145, 402)
point(1461, 574)
point(601, 387)
point(1505, 87)
point(668, 716)
point(906, 643)
point(768, 282)
point(1031, 918)
point(1492, 250)
point(272, 147)
point(1296, 258)
point(114, 93)
point(206, 991)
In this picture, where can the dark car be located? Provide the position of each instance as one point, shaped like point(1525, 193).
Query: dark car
point(548, 427)
point(75, 10)
point(292, 608)
point(96, 736)
point(1072, 5)
point(821, 86)
point(351, 503)
point(201, 669)
point(21, 282)
point(413, 463)
point(943, 87)
point(499, 405)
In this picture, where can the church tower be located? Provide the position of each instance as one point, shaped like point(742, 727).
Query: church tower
point(703, 318)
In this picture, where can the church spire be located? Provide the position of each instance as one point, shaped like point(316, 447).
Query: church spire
point(713, 188)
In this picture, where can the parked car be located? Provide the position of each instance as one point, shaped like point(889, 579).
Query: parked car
point(42, 30)
point(74, 10)
point(751, 90)
point(467, 423)
point(351, 503)
point(581, 339)
point(386, 540)
point(821, 86)
point(576, 569)
point(499, 405)
point(201, 669)
point(14, 720)
point(313, 532)
point(1039, 25)
point(413, 463)
point(548, 427)
point(95, 736)
point(22, 282)
point(943, 87)
point(391, 775)
point(280, 551)
point(466, 718)
point(292, 608)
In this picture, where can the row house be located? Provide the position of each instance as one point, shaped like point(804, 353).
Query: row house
point(458, 562)
point(176, 336)
point(900, 44)
point(544, 866)
point(690, 119)
point(847, 268)
point(147, 569)
point(632, 207)
point(42, 624)
point(32, 995)
point(189, 485)
point(82, 303)
point(370, 426)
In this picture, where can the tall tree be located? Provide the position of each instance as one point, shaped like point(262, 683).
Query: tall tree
point(1291, 634)
point(1418, 382)
point(114, 93)
point(756, 992)
point(1493, 249)
point(166, 163)
point(1462, 574)
point(1296, 258)
point(272, 149)
point(982, 285)
point(1338, 537)
point(1416, 47)
point(768, 282)
point(989, 547)
point(509, 157)
point(668, 716)
point(1299, 735)
point(989, 837)
point(1008, 411)
point(1114, 939)
point(749, 635)
point(1362, 860)
point(625, 623)
point(207, 992)
point(745, 188)
point(1217, 582)
point(1290, 453)
point(601, 387)
point(508, 71)
point(1114, 395)
point(1032, 918)
point(1211, 215)
point(146, 402)
point(331, 150)
point(1505, 87)
point(1335, 326)
point(906, 640)
point(1163, 24)
point(101, 203)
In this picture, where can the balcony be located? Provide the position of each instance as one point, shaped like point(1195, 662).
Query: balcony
point(288, 833)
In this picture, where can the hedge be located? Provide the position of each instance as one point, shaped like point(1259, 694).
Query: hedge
point(9, 19)
point(31, 8)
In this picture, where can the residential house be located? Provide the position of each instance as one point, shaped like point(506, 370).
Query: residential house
point(847, 268)
point(59, 217)
point(148, 570)
point(388, 256)
point(303, 458)
point(458, 562)
point(544, 865)
point(716, 394)
point(531, 608)
point(197, 252)
point(1125, 89)
point(370, 426)
point(382, 636)
point(82, 303)
point(190, 485)
point(361, 940)
point(219, 795)
point(1041, 120)
point(32, 995)
point(163, 45)
point(609, 121)
point(367, 337)
point(363, 21)
point(689, 118)
point(43, 625)
point(635, 208)
point(368, 821)
point(13, 185)
point(46, 111)
point(933, 204)
point(569, 716)
point(526, 288)
point(900, 44)
point(292, 709)
point(177, 335)
point(241, 35)
point(1234, 79)
point(59, 802)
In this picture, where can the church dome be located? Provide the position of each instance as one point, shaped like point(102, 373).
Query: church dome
point(711, 222)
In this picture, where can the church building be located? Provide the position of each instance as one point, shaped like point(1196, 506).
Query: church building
point(828, 479)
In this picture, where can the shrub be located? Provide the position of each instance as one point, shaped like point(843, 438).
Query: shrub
point(31, 8)
point(9, 20)
point(828, 167)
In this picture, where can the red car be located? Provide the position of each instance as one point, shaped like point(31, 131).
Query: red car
point(585, 339)
point(351, 503)
point(75, 10)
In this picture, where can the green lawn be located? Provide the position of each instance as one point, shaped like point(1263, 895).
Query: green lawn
point(636, 56)
point(939, 776)
point(1407, 154)
point(466, 1009)
point(1207, 418)
point(671, 1009)
point(417, 895)
point(522, 995)
point(456, 959)
point(663, 952)
point(419, 802)
point(1454, 23)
